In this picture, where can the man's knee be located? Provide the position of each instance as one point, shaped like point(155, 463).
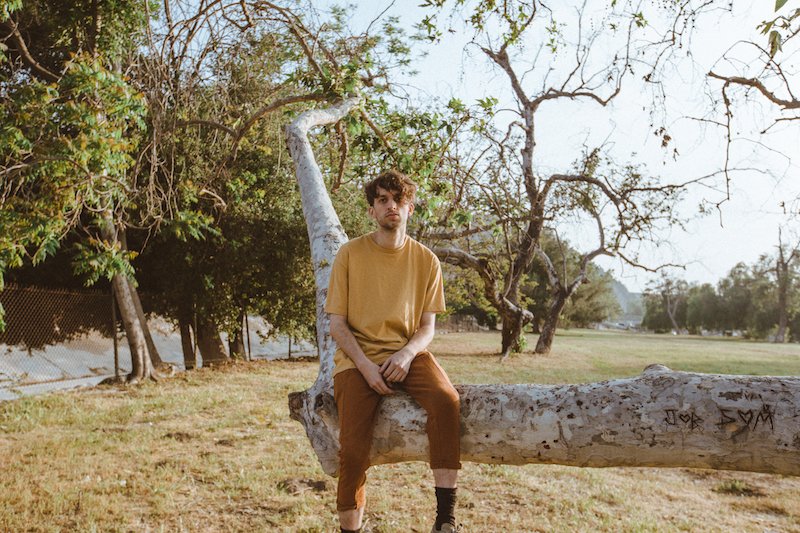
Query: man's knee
point(446, 400)
point(353, 462)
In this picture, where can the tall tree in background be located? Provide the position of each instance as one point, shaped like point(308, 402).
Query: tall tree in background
point(549, 56)
point(666, 305)
point(591, 303)
point(703, 309)
point(72, 125)
point(786, 277)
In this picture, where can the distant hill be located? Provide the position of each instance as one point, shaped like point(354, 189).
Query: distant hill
point(630, 302)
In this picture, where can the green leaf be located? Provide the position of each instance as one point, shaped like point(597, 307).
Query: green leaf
point(456, 105)
point(779, 4)
point(774, 43)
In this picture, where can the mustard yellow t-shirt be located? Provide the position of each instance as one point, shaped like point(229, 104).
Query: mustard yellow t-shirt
point(383, 293)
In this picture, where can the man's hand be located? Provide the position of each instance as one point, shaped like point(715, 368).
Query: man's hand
point(372, 375)
point(395, 369)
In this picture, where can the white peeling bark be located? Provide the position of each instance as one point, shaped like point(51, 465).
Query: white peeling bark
point(325, 236)
point(661, 418)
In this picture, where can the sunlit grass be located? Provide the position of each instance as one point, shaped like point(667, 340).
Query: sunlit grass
point(216, 451)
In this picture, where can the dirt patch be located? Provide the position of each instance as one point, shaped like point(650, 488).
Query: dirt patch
point(295, 486)
point(180, 436)
point(735, 487)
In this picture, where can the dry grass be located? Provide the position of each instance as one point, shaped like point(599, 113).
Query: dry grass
point(215, 451)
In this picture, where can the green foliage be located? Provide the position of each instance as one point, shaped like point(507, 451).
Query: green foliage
point(97, 258)
point(704, 309)
point(592, 302)
point(744, 301)
point(7, 7)
point(510, 17)
point(464, 295)
point(780, 28)
point(189, 224)
point(65, 150)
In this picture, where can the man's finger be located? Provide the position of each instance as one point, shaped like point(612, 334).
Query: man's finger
point(381, 388)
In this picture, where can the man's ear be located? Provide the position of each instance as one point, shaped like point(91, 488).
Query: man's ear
point(410, 208)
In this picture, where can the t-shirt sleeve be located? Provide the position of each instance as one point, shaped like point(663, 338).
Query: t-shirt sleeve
point(434, 295)
point(336, 302)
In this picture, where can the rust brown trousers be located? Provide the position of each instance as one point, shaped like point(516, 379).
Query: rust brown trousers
point(429, 385)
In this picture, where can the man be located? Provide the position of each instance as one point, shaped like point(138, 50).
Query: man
point(384, 293)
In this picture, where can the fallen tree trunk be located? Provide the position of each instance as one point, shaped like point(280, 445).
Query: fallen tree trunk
point(661, 418)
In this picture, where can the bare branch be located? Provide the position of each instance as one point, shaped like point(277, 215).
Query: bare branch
point(756, 84)
point(22, 49)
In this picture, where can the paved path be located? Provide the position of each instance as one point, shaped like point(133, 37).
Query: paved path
point(86, 361)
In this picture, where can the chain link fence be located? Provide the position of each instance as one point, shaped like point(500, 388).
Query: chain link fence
point(59, 338)
point(54, 335)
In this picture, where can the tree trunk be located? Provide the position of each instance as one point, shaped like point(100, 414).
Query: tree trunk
point(184, 325)
point(141, 366)
point(236, 342)
point(209, 342)
point(545, 341)
point(672, 310)
point(511, 334)
point(659, 419)
point(782, 272)
point(325, 236)
point(155, 357)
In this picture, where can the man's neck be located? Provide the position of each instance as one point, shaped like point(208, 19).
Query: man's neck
point(391, 240)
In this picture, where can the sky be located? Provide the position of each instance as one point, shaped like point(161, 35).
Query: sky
point(742, 229)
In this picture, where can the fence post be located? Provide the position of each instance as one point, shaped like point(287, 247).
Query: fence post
point(114, 332)
point(247, 330)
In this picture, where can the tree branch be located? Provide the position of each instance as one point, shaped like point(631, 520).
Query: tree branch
point(756, 84)
point(22, 49)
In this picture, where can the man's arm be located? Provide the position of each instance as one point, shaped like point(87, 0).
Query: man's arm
point(396, 367)
point(340, 331)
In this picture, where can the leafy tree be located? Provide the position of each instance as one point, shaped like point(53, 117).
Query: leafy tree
point(666, 303)
point(735, 297)
point(209, 82)
point(786, 266)
point(591, 303)
point(72, 125)
point(703, 309)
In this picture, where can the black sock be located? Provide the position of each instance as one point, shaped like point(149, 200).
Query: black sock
point(445, 506)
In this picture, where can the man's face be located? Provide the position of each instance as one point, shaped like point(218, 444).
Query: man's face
point(390, 210)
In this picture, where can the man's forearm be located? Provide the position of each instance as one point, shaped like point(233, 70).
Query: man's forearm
point(347, 342)
point(421, 339)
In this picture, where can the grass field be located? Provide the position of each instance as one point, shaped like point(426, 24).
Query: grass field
point(216, 451)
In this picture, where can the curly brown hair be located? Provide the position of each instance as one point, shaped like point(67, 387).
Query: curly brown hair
point(393, 181)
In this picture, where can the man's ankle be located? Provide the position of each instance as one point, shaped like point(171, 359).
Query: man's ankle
point(350, 530)
point(445, 506)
